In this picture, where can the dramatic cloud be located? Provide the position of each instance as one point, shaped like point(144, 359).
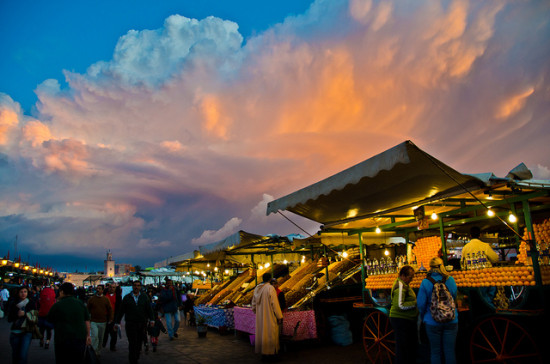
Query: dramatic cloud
point(210, 236)
point(188, 126)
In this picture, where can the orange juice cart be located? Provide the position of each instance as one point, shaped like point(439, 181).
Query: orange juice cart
point(405, 192)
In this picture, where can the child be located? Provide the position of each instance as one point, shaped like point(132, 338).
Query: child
point(154, 331)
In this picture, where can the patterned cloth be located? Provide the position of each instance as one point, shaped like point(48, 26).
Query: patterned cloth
point(215, 316)
point(245, 321)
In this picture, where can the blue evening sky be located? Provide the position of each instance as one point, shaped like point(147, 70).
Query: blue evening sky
point(41, 38)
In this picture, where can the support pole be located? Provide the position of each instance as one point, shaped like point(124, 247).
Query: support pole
point(443, 243)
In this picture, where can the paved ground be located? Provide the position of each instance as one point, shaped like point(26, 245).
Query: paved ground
point(214, 349)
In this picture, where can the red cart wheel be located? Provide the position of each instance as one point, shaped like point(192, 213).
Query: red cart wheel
point(501, 340)
point(378, 338)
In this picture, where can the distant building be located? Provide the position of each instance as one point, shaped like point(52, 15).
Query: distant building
point(109, 265)
point(123, 268)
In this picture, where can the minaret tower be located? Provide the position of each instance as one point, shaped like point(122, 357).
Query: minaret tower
point(109, 265)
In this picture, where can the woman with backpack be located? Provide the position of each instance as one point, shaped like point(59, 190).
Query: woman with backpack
point(437, 307)
point(403, 317)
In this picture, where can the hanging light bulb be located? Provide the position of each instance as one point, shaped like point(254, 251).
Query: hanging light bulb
point(386, 252)
point(267, 265)
point(512, 218)
point(261, 266)
point(345, 254)
point(208, 265)
point(434, 216)
point(227, 271)
point(285, 261)
point(490, 212)
point(215, 269)
point(378, 231)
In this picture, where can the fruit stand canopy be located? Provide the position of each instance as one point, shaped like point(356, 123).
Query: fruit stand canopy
point(388, 185)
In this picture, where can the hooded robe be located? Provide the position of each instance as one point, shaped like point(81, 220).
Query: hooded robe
point(266, 307)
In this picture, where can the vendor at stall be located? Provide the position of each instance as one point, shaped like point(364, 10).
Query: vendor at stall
point(475, 246)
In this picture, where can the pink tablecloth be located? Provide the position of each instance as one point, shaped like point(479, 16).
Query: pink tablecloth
point(245, 320)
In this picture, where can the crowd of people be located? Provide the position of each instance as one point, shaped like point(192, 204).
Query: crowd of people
point(82, 320)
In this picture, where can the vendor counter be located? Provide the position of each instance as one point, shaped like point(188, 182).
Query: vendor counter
point(245, 321)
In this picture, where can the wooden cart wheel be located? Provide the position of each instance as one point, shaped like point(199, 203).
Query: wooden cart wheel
point(378, 338)
point(501, 340)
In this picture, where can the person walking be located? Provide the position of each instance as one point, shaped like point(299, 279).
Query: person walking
point(20, 338)
point(170, 302)
point(403, 317)
point(265, 305)
point(137, 312)
point(45, 303)
point(71, 321)
point(4, 297)
point(114, 295)
point(441, 335)
point(101, 312)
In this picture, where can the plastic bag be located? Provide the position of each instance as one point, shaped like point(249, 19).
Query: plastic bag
point(90, 356)
point(339, 329)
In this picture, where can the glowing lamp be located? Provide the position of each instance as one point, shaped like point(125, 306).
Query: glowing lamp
point(434, 216)
point(4, 261)
point(512, 218)
point(267, 265)
point(285, 261)
point(378, 231)
point(490, 213)
point(345, 254)
point(16, 265)
point(386, 252)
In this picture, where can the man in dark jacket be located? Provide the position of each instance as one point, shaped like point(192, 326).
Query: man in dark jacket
point(71, 322)
point(137, 310)
point(170, 302)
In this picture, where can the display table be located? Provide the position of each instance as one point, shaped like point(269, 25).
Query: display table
point(245, 321)
point(216, 316)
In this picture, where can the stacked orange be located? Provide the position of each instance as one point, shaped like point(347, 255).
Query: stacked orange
point(385, 281)
point(425, 249)
point(382, 281)
point(542, 237)
point(487, 277)
point(491, 277)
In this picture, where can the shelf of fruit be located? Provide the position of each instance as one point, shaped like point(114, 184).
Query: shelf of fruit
point(486, 277)
point(542, 237)
point(425, 249)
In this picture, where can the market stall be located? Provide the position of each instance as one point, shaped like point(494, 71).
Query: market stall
point(410, 193)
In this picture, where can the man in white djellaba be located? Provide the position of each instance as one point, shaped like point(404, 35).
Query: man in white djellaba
point(268, 318)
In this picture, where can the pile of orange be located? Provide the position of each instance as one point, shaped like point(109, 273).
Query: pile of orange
point(542, 237)
point(425, 249)
point(490, 277)
point(487, 277)
point(385, 281)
